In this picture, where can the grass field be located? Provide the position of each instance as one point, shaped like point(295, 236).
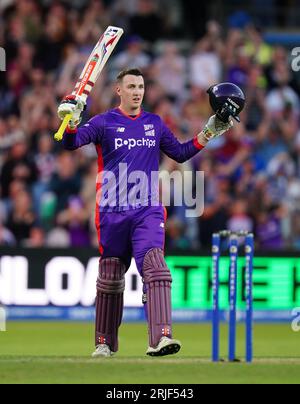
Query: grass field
point(60, 353)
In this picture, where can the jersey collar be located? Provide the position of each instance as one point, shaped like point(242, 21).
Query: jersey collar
point(130, 117)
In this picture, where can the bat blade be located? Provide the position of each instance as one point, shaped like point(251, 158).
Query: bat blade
point(97, 61)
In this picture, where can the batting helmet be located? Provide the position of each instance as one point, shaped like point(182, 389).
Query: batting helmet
point(226, 99)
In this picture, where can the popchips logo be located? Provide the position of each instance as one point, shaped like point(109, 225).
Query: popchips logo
point(2, 60)
point(132, 143)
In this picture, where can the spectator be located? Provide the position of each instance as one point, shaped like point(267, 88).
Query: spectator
point(238, 69)
point(256, 47)
point(147, 22)
point(18, 167)
point(132, 57)
point(255, 110)
point(33, 113)
point(65, 182)
point(52, 43)
point(7, 239)
point(269, 231)
point(75, 220)
point(45, 163)
point(58, 237)
point(22, 217)
point(216, 214)
point(171, 71)
point(239, 218)
point(281, 98)
point(36, 238)
point(205, 65)
point(175, 235)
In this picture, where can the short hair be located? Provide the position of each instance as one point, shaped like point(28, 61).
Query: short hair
point(129, 72)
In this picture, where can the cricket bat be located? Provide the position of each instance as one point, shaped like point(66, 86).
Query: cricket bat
point(92, 69)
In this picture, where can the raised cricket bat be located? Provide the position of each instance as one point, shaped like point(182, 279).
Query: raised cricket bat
point(92, 69)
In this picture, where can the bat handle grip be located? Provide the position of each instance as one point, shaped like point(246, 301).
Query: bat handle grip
point(60, 133)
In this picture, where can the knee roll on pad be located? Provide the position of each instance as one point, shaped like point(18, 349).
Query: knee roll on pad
point(155, 268)
point(111, 278)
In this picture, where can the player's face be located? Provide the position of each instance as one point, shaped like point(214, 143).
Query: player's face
point(131, 90)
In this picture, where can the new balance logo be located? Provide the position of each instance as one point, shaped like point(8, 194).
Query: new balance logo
point(120, 130)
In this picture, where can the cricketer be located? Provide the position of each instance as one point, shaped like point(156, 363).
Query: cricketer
point(130, 137)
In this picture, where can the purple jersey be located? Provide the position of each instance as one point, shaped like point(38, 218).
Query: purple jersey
point(128, 148)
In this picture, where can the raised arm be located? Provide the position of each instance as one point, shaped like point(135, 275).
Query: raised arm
point(182, 152)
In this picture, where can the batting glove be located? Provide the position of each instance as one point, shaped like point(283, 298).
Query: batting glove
point(214, 128)
point(74, 105)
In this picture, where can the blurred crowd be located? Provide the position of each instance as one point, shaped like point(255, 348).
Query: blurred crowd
point(251, 174)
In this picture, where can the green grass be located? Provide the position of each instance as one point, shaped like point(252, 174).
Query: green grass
point(60, 353)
